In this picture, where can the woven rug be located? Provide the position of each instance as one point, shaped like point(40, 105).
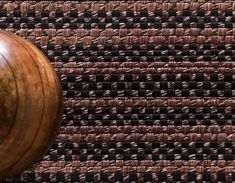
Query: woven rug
point(148, 88)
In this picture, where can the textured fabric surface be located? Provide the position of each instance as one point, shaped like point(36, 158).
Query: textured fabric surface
point(148, 88)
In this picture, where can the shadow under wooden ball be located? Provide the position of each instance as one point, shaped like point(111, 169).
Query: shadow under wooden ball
point(31, 104)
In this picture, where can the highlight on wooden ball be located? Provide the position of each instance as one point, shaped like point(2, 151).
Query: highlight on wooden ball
point(31, 104)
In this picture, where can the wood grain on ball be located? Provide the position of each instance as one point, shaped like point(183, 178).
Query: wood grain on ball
point(31, 104)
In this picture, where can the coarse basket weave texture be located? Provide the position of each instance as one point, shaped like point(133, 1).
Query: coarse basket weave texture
point(148, 88)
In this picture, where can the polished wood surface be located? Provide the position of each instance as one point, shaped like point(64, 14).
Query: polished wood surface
point(31, 104)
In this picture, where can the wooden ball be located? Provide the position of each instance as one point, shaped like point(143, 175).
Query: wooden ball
point(31, 104)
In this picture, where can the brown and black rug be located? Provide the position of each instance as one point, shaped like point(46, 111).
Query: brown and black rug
point(149, 88)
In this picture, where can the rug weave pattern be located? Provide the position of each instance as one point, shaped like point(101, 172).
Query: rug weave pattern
point(148, 88)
